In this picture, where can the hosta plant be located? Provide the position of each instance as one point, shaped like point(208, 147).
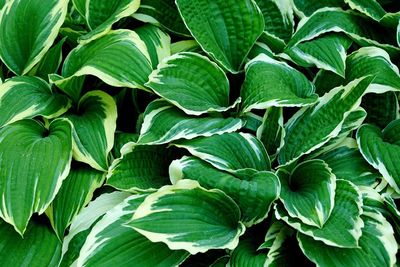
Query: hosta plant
point(199, 133)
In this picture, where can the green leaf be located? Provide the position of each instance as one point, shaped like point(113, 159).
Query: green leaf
point(185, 46)
point(214, 224)
point(120, 140)
point(382, 150)
point(373, 61)
point(101, 15)
point(233, 30)
point(370, 8)
point(327, 52)
point(328, 20)
point(140, 168)
point(110, 242)
point(76, 191)
point(84, 222)
point(158, 43)
point(39, 247)
point(253, 191)
point(107, 58)
point(246, 254)
point(308, 7)
point(377, 246)
point(343, 228)
point(162, 13)
point(308, 192)
point(278, 17)
point(312, 127)
point(28, 97)
point(164, 123)
point(292, 88)
point(28, 28)
point(33, 163)
point(50, 62)
point(271, 131)
point(204, 89)
point(348, 164)
point(221, 151)
point(381, 108)
point(94, 126)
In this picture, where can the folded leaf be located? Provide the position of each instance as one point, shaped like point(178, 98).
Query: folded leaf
point(377, 246)
point(107, 58)
point(343, 228)
point(94, 127)
point(273, 83)
point(328, 20)
point(381, 108)
point(164, 123)
point(203, 89)
point(308, 192)
point(33, 163)
point(28, 97)
point(230, 34)
point(253, 191)
point(373, 61)
point(110, 242)
point(348, 164)
point(327, 52)
point(382, 150)
point(271, 131)
point(229, 152)
point(39, 247)
point(312, 127)
point(50, 62)
point(84, 222)
point(246, 254)
point(162, 13)
point(76, 191)
point(28, 28)
point(100, 15)
point(203, 219)
point(140, 168)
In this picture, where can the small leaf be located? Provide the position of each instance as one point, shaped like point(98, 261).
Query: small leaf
point(215, 224)
point(271, 131)
point(164, 123)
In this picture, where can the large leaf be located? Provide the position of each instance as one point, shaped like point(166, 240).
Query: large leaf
point(377, 246)
point(327, 52)
point(328, 20)
point(28, 97)
point(373, 61)
point(140, 167)
point(273, 83)
point(253, 191)
point(75, 192)
point(100, 15)
point(28, 28)
point(312, 127)
point(308, 192)
point(203, 89)
point(225, 29)
point(33, 163)
point(229, 151)
point(348, 164)
point(161, 13)
point(203, 219)
point(94, 126)
point(107, 58)
point(382, 150)
point(84, 222)
point(343, 228)
point(39, 247)
point(164, 123)
point(110, 242)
